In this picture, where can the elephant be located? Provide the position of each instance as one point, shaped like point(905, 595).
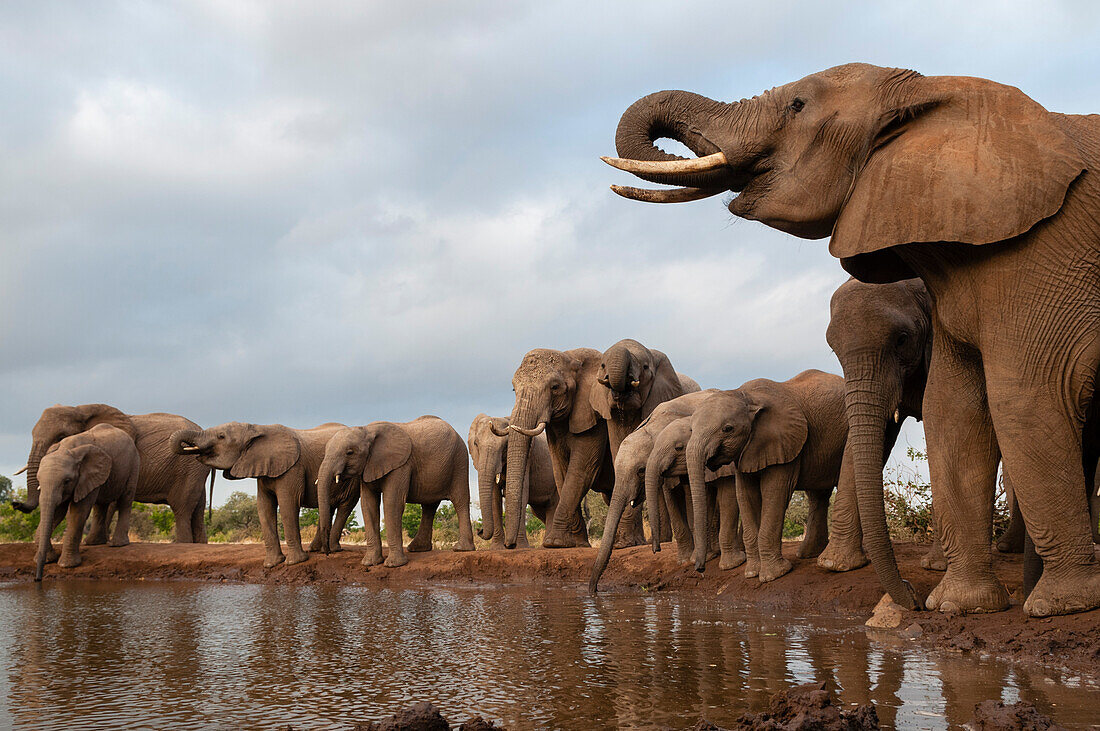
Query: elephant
point(994, 203)
point(488, 443)
point(780, 437)
point(421, 461)
point(285, 463)
point(100, 466)
point(165, 478)
point(630, 474)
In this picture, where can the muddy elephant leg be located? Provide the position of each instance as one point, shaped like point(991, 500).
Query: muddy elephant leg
point(198, 523)
point(121, 536)
point(816, 533)
point(182, 515)
point(714, 550)
point(422, 541)
point(52, 554)
point(630, 531)
point(101, 521)
point(776, 486)
point(369, 501)
point(678, 500)
point(269, 528)
point(289, 508)
point(521, 537)
point(343, 512)
point(844, 550)
point(1013, 539)
point(729, 528)
point(962, 461)
point(584, 464)
point(749, 502)
point(74, 531)
point(934, 560)
point(393, 503)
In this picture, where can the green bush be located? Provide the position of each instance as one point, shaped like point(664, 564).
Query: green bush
point(235, 521)
point(798, 512)
point(15, 526)
point(152, 522)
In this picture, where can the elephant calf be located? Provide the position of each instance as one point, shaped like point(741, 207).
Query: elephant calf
point(422, 461)
point(285, 463)
point(97, 467)
point(488, 442)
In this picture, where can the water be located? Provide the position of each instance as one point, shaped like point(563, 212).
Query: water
point(194, 656)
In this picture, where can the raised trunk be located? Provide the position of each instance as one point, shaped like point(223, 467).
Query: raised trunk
point(696, 469)
point(677, 115)
point(617, 364)
point(326, 485)
point(38, 450)
point(620, 496)
point(45, 530)
point(183, 441)
point(526, 414)
point(487, 473)
point(867, 408)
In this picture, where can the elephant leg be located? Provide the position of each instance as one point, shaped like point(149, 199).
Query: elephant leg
point(521, 537)
point(369, 500)
point(393, 503)
point(678, 501)
point(269, 528)
point(749, 502)
point(816, 533)
point(74, 531)
point(844, 549)
point(962, 461)
point(182, 516)
point(288, 511)
point(198, 522)
point(1013, 539)
point(584, 463)
point(101, 521)
point(776, 486)
point(1041, 449)
point(1033, 566)
point(422, 541)
point(343, 512)
point(729, 530)
point(52, 554)
point(714, 550)
point(121, 536)
point(666, 526)
point(934, 560)
point(630, 526)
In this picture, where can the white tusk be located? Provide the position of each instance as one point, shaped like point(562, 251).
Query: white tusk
point(21, 471)
point(529, 432)
point(897, 417)
point(635, 384)
point(498, 478)
point(675, 195)
point(337, 479)
point(669, 167)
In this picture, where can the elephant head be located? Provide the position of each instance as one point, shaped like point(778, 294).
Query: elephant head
point(66, 475)
point(891, 158)
point(752, 427)
point(882, 335)
point(634, 380)
point(354, 455)
point(488, 443)
point(551, 386)
point(58, 422)
point(241, 450)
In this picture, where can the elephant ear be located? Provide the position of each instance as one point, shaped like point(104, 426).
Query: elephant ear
point(390, 448)
point(586, 370)
point(270, 452)
point(471, 439)
point(957, 160)
point(779, 428)
point(94, 414)
point(95, 468)
point(666, 383)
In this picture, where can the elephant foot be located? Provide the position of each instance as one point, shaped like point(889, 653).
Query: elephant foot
point(372, 559)
point(69, 561)
point(497, 544)
point(1012, 541)
point(752, 567)
point(626, 542)
point(561, 539)
point(684, 552)
point(934, 560)
point(811, 549)
point(119, 543)
point(842, 558)
point(731, 560)
point(968, 595)
point(335, 549)
point(772, 570)
point(1065, 592)
point(420, 545)
point(467, 544)
point(315, 548)
point(273, 560)
point(298, 556)
point(52, 554)
point(396, 559)
point(93, 540)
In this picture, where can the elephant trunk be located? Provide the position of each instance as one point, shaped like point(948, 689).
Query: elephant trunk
point(678, 115)
point(38, 450)
point(696, 469)
point(867, 402)
point(653, 500)
point(526, 415)
point(185, 441)
point(326, 485)
point(47, 504)
point(624, 490)
point(488, 474)
point(617, 364)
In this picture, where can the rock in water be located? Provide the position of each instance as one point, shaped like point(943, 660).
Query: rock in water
point(806, 707)
point(996, 716)
point(887, 614)
point(420, 717)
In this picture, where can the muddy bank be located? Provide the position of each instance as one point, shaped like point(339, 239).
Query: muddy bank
point(1070, 642)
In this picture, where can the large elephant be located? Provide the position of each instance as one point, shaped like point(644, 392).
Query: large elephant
point(994, 203)
point(488, 443)
point(165, 478)
point(780, 437)
point(630, 474)
point(98, 467)
point(285, 463)
point(421, 461)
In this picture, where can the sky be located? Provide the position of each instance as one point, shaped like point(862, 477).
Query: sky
point(342, 211)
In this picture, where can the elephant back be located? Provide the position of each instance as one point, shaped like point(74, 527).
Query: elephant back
point(165, 474)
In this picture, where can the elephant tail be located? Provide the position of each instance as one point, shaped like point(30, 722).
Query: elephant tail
point(210, 502)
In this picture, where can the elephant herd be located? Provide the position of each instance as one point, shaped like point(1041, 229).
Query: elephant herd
point(969, 217)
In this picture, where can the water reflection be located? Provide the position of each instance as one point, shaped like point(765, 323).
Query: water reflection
point(100, 654)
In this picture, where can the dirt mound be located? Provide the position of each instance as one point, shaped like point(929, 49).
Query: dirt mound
point(801, 708)
point(996, 716)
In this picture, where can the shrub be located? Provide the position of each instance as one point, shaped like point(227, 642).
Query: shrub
point(236, 521)
point(15, 526)
point(151, 522)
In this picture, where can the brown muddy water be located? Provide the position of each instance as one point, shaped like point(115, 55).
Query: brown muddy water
point(89, 654)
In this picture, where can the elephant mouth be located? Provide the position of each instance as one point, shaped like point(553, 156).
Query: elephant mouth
point(188, 448)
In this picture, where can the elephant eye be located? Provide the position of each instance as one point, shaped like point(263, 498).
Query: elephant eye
point(727, 428)
point(221, 436)
point(350, 452)
point(797, 105)
point(903, 340)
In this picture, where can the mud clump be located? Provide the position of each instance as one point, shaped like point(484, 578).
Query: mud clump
point(997, 716)
point(423, 716)
point(802, 708)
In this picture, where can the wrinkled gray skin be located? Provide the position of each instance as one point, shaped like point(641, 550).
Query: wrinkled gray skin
point(630, 475)
point(98, 467)
point(421, 461)
point(780, 437)
point(285, 463)
point(488, 443)
point(166, 478)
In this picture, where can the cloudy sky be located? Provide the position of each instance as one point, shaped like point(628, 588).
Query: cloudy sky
point(315, 212)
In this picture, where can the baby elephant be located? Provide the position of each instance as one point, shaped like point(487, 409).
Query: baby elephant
point(488, 442)
point(97, 467)
point(422, 461)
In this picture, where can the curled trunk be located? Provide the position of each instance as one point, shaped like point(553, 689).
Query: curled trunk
point(38, 450)
point(623, 492)
point(696, 469)
point(867, 408)
point(183, 441)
